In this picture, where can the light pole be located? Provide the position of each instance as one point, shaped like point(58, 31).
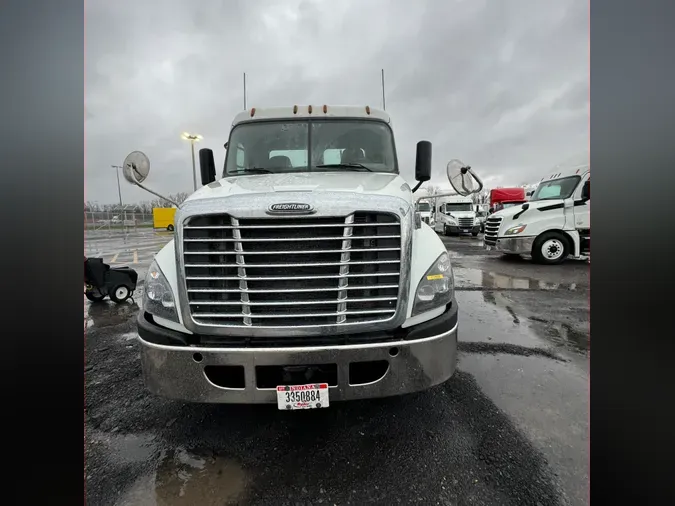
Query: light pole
point(193, 138)
point(119, 190)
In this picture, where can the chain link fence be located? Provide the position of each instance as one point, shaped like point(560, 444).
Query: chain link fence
point(116, 222)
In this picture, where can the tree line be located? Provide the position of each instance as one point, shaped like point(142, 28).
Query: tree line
point(138, 207)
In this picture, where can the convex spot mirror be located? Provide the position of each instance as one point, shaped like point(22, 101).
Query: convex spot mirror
point(136, 167)
point(462, 178)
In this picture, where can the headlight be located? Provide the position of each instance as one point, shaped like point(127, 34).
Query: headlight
point(515, 230)
point(436, 287)
point(157, 295)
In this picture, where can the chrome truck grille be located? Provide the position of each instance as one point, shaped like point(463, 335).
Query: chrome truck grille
point(465, 222)
point(491, 230)
point(291, 272)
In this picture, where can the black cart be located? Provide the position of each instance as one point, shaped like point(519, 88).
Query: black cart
point(101, 280)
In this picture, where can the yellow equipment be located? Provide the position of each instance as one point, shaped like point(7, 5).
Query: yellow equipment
point(162, 217)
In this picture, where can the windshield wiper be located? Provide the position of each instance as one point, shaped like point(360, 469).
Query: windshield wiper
point(257, 170)
point(352, 166)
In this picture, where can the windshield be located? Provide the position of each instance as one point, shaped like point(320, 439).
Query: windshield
point(449, 208)
point(424, 207)
point(307, 145)
point(556, 189)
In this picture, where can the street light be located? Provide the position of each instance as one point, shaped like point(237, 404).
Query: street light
point(119, 190)
point(193, 138)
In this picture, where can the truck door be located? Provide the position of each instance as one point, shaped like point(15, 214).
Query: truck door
point(438, 218)
point(582, 205)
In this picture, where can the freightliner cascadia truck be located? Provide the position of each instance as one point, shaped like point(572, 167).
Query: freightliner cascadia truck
point(302, 274)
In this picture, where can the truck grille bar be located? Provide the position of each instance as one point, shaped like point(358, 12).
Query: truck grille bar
point(491, 230)
point(465, 222)
point(292, 272)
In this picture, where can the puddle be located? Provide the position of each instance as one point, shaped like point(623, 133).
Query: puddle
point(190, 478)
point(561, 333)
point(108, 313)
point(512, 318)
point(126, 448)
point(468, 278)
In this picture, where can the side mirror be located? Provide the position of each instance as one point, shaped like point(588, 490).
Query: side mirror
point(586, 191)
point(136, 167)
point(530, 193)
point(423, 161)
point(462, 178)
point(207, 166)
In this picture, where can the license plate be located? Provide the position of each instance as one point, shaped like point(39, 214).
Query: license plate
point(465, 230)
point(311, 396)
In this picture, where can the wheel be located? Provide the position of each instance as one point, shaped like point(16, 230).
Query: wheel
point(445, 230)
point(170, 228)
point(94, 297)
point(120, 293)
point(550, 248)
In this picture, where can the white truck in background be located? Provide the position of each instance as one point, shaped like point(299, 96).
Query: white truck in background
point(424, 209)
point(302, 274)
point(555, 222)
point(482, 211)
point(456, 215)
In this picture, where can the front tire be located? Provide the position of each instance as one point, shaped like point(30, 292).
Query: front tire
point(119, 294)
point(170, 228)
point(550, 248)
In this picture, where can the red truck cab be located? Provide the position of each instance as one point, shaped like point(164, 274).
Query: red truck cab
point(501, 198)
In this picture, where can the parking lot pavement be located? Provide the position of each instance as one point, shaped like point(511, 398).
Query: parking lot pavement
point(134, 249)
point(511, 427)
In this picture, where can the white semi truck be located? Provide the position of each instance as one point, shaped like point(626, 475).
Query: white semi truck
point(302, 275)
point(456, 215)
point(425, 211)
point(553, 225)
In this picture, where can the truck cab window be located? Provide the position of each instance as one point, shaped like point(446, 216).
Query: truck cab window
point(240, 157)
point(285, 146)
point(556, 189)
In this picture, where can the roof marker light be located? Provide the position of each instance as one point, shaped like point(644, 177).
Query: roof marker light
point(367, 109)
point(295, 109)
point(252, 112)
point(309, 109)
point(325, 108)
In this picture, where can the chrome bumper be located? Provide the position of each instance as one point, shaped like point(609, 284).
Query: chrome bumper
point(172, 371)
point(515, 245)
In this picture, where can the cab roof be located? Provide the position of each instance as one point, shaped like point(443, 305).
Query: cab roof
point(311, 111)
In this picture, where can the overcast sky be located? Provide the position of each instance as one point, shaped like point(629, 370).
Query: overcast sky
point(503, 85)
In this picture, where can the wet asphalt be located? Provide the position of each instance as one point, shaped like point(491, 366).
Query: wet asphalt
point(511, 427)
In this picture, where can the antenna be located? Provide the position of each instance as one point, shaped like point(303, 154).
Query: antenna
point(244, 90)
point(384, 103)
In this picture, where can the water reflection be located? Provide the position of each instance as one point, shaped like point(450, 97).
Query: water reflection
point(467, 278)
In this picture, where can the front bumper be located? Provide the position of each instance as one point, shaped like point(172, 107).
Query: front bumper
point(454, 229)
point(423, 356)
point(513, 245)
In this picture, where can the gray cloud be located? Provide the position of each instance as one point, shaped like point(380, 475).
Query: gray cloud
point(501, 85)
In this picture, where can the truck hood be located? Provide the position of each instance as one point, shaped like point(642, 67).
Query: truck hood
point(536, 204)
point(354, 182)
